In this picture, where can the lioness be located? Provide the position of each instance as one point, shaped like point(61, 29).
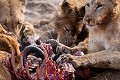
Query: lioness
point(12, 13)
point(102, 17)
point(12, 18)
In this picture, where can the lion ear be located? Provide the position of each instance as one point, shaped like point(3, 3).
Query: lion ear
point(66, 7)
point(23, 2)
point(114, 2)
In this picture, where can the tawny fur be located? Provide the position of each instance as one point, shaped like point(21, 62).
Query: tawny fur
point(9, 43)
point(12, 17)
point(11, 13)
point(68, 22)
point(104, 38)
point(24, 29)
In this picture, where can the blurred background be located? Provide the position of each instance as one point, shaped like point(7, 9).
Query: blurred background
point(41, 12)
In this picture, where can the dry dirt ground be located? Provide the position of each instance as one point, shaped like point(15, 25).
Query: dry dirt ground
point(40, 12)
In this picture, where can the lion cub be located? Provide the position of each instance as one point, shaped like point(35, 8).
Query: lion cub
point(68, 23)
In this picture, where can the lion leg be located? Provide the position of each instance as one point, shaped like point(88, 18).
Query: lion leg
point(102, 59)
point(61, 48)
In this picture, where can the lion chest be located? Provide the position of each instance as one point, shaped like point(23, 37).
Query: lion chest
point(97, 41)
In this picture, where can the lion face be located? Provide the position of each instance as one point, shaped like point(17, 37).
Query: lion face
point(65, 32)
point(98, 12)
point(68, 22)
point(25, 33)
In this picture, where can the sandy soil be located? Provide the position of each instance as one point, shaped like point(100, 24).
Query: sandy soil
point(40, 12)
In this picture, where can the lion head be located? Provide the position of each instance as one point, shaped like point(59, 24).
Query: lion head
point(12, 13)
point(25, 34)
point(68, 22)
point(100, 12)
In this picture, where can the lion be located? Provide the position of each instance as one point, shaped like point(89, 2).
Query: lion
point(102, 18)
point(68, 23)
point(12, 18)
point(24, 31)
point(12, 13)
point(103, 45)
point(9, 44)
point(68, 28)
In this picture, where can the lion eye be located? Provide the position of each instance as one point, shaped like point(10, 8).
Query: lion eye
point(99, 6)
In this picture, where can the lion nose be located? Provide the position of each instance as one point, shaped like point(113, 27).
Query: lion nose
point(87, 19)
